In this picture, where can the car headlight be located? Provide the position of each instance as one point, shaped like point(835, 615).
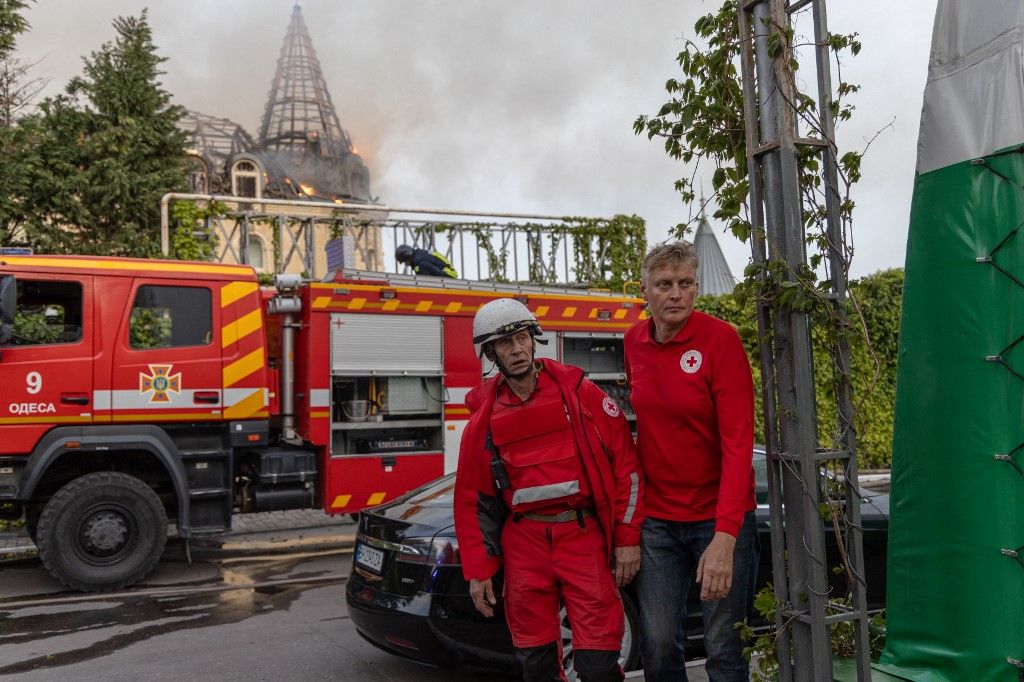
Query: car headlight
point(436, 551)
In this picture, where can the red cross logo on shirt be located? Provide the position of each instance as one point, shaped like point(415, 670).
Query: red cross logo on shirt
point(611, 408)
point(691, 361)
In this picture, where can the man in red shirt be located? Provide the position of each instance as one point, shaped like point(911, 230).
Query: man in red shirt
point(548, 487)
point(693, 395)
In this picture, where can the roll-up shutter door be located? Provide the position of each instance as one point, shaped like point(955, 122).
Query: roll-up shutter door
point(385, 344)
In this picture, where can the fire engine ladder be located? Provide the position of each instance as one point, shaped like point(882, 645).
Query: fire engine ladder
point(773, 147)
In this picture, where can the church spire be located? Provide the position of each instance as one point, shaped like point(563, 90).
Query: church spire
point(299, 115)
point(715, 276)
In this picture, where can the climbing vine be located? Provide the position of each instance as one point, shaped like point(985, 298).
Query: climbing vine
point(192, 238)
point(607, 252)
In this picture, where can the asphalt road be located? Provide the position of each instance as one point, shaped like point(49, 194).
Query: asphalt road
point(278, 617)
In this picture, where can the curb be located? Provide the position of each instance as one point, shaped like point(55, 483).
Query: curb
point(286, 541)
point(274, 542)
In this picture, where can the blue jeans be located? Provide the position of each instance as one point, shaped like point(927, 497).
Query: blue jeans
point(668, 566)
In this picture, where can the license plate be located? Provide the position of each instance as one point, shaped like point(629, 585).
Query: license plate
point(370, 557)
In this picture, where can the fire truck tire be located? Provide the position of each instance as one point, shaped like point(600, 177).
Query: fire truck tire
point(102, 532)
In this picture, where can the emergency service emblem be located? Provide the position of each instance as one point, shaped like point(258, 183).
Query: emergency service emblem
point(610, 407)
point(691, 361)
point(159, 382)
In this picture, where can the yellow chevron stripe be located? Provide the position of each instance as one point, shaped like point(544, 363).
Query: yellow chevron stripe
point(424, 306)
point(246, 407)
point(243, 367)
point(229, 293)
point(621, 313)
point(241, 328)
point(598, 324)
point(593, 313)
point(390, 305)
point(453, 307)
point(542, 310)
point(376, 499)
point(421, 291)
point(356, 303)
point(128, 265)
point(321, 302)
point(320, 414)
point(341, 501)
point(569, 311)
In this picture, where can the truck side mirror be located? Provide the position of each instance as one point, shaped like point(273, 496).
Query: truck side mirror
point(8, 303)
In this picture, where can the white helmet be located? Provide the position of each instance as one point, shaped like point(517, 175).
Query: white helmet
point(502, 317)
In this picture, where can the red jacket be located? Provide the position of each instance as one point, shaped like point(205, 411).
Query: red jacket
point(609, 463)
point(694, 401)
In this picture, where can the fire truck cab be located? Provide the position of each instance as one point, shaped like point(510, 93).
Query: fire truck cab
point(137, 392)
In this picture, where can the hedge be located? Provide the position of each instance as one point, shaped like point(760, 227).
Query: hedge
point(879, 299)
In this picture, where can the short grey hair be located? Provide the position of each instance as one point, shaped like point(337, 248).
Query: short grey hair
point(669, 253)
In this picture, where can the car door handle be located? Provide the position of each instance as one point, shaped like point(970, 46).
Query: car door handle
point(211, 397)
point(74, 398)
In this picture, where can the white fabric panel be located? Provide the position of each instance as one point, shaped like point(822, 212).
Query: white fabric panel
point(974, 99)
point(385, 344)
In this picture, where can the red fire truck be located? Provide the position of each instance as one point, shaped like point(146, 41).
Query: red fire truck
point(137, 391)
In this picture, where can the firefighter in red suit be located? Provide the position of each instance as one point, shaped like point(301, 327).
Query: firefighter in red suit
point(548, 488)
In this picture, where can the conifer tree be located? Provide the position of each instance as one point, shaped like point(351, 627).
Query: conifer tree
point(14, 93)
point(105, 151)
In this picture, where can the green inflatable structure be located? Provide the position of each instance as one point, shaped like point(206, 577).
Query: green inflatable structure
point(956, 542)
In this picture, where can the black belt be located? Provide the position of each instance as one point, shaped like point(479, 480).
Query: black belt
point(560, 517)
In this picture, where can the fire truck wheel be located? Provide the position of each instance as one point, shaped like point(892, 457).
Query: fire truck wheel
point(102, 531)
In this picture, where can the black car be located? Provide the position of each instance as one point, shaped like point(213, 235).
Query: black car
point(407, 595)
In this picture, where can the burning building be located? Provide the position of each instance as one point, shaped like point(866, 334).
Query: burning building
point(302, 152)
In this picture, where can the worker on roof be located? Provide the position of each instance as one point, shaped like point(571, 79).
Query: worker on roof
point(425, 262)
point(548, 487)
point(693, 394)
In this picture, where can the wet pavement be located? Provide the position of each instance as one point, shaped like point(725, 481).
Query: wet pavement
point(253, 617)
point(265, 601)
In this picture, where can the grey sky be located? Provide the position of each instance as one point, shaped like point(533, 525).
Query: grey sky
point(524, 106)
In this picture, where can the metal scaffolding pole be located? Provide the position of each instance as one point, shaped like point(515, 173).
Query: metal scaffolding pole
point(774, 147)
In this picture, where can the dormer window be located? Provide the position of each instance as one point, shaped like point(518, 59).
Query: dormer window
point(246, 180)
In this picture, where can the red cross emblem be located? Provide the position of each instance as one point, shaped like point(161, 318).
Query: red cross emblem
point(159, 382)
point(691, 361)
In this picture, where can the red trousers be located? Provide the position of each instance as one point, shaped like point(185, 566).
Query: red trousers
point(549, 563)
